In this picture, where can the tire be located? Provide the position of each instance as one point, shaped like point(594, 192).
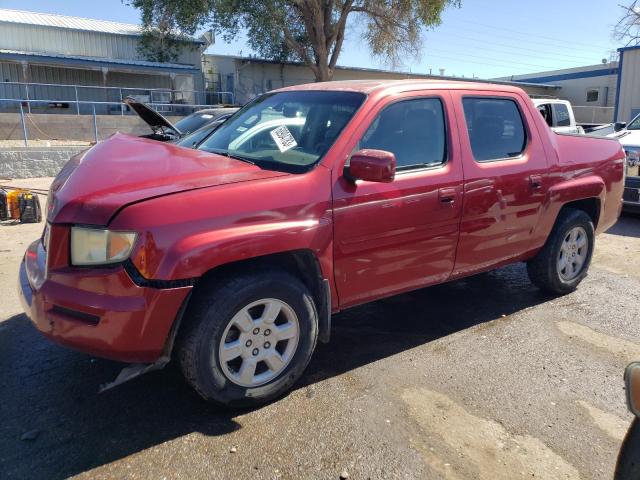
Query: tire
point(219, 311)
point(545, 268)
point(628, 465)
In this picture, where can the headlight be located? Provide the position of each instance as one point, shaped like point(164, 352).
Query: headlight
point(92, 246)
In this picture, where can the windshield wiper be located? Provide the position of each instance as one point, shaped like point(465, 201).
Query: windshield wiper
point(225, 153)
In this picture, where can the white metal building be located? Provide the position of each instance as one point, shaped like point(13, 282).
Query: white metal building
point(590, 89)
point(248, 77)
point(627, 103)
point(54, 49)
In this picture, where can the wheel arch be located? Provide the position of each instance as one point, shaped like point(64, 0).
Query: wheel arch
point(303, 264)
point(585, 193)
point(592, 206)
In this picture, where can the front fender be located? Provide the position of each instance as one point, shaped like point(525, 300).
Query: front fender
point(192, 256)
point(185, 235)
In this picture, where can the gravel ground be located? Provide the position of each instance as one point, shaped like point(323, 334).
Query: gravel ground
point(482, 378)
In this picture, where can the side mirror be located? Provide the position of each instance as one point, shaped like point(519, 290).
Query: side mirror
point(372, 166)
point(619, 126)
point(632, 381)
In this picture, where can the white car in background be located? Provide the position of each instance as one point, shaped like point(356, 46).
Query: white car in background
point(629, 137)
point(558, 114)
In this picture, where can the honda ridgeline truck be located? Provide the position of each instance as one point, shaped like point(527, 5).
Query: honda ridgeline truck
point(231, 257)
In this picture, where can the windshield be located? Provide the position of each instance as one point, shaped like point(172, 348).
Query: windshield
point(194, 138)
point(635, 124)
point(196, 120)
point(287, 131)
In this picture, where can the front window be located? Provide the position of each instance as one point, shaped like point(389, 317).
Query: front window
point(634, 124)
point(288, 131)
point(413, 130)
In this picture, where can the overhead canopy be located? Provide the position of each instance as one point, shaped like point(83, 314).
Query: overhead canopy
point(93, 62)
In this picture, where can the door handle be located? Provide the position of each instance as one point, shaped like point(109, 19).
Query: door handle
point(535, 181)
point(447, 196)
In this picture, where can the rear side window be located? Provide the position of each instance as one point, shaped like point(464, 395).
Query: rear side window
point(561, 114)
point(496, 130)
point(413, 130)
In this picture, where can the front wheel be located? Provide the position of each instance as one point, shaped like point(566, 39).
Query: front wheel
point(248, 339)
point(564, 260)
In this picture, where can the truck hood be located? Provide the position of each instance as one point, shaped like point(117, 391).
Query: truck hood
point(123, 169)
point(629, 138)
point(152, 118)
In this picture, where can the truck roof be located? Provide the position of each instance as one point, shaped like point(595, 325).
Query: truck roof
point(371, 86)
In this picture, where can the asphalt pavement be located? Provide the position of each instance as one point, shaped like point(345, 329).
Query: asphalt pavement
point(483, 378)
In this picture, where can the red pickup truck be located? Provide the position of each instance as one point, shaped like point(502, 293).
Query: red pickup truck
point(309, 200)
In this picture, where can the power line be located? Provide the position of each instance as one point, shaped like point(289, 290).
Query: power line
point(491, 59)
point(519, 32)
point(529, 40)
point(479, 61)
point(502, 45)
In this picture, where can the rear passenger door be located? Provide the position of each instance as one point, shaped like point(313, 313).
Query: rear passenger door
point(392, 237)
point(505, 170)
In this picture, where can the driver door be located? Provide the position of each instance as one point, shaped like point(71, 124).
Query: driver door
point(398, 236)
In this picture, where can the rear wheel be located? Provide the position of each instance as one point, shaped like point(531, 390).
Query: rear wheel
point(565, 258)
point(248, 339)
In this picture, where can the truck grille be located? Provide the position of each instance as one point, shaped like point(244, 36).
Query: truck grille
point(631, 195)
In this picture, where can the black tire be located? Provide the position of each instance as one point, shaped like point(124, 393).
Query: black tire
point(543, 268)
point(207, 317)
point(628, 466)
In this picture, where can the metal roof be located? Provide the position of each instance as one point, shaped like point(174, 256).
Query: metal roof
point(63, 21)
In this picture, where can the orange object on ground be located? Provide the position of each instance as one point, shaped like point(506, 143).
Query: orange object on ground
point(13, 204)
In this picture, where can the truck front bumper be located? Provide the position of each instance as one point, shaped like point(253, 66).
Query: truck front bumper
point(99, 311)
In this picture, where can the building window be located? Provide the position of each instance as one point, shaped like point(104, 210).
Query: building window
point(592, 95)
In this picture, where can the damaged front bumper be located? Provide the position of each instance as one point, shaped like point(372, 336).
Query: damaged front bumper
point(99, 311)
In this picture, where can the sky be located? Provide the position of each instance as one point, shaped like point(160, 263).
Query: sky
point(483, 38)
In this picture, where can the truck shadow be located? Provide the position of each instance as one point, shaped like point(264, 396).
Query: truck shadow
point(50, 393)
point(627, 226)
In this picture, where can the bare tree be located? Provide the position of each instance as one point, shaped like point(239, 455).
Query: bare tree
point(628, 27)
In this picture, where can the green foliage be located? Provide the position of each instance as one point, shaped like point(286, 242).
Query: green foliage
point(166, 26)
point(156, 46)
point(310, 31)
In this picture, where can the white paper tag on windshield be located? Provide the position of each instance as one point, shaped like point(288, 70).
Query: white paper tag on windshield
point(283, 138)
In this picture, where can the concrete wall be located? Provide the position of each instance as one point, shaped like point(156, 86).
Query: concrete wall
point(629, 98)
point(35, 162)
point(70, 127)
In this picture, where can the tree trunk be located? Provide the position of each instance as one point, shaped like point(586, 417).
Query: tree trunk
point(323, 73)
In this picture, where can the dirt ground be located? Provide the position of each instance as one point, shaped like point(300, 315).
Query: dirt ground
point(483, 378)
